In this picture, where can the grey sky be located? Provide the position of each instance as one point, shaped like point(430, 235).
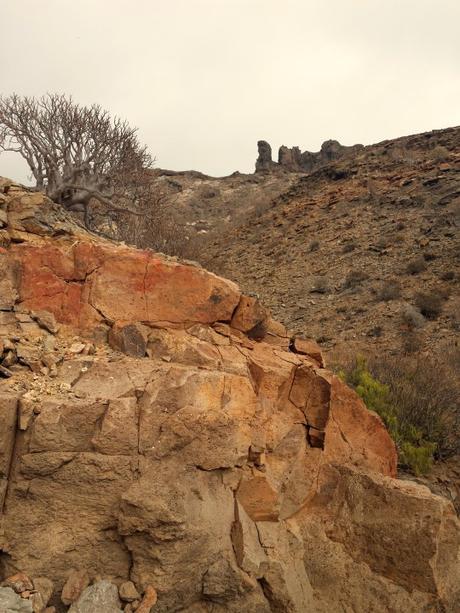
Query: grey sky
point(205, 79)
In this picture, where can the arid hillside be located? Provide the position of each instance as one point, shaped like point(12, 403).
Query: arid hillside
point(361, 253)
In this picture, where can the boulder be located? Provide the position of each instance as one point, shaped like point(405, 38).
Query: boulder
point(10, 602)
point(77, 581)
point(102, 597)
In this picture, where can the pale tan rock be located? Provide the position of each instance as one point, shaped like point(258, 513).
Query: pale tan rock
point(8, 418)
point(46, 320)
point(38, 603)
point(44, 588)
point(102, 597)
point(128, 592)
point(26, 411)
point(259, 499)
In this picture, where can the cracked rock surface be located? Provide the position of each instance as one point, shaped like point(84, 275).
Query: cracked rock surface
point(159, 428)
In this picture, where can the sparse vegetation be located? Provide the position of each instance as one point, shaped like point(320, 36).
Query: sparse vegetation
point(411, 342)
point(439, 153)
point(320, 285)
point(93, 165)
point(411, 317)
point(390, 290)
point(349, 247)
point(314, 246)
point(448, 275)
point(429, 304)
point(415, 266)
point(419, 404)
point(75, 153)
point(354, 278)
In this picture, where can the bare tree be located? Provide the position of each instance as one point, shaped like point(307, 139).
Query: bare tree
point(77, 154)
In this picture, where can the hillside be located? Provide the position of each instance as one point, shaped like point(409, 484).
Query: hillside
point(342, 254)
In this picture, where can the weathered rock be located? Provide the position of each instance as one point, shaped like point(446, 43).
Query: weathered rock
point(46, 320)
point(10, 602)
point(309, 348)
point(77, 582)
point(226, 469)
point(19, 582)
point(128, 591)
point(148, 601)
point(44, 590)
point(101, 597)
point(294, 160)
point(264, 161)
point(130, 339)
point(249, 314)
point(8, 420)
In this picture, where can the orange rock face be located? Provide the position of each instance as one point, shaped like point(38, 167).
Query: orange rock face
point(82, 284)
point(210, 465)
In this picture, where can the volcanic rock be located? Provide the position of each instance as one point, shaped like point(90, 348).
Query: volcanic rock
point(221, 471)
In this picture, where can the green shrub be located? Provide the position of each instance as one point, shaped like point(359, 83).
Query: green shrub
point(417, 427)
point(419, 459)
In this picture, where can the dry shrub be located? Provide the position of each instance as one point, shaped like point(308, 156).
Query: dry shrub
point(448, 275)
point(153, 227)
point(427, 396)
point(415, 266)
point(439, 153)
point(354, 278)
point(320, 285)
point(349, 247)
point(411, 317)
point(429, 304)
point(390, 290)
point(411, 342)
point(314, 246)
point(418, 400)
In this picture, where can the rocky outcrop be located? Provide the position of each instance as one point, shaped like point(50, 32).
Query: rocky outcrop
point(159, 428)
point(294, 160)
point(264, 162)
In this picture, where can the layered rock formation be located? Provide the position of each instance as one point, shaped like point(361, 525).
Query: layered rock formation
point(158, 427)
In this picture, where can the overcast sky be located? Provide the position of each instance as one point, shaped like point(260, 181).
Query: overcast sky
point(205, 79)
